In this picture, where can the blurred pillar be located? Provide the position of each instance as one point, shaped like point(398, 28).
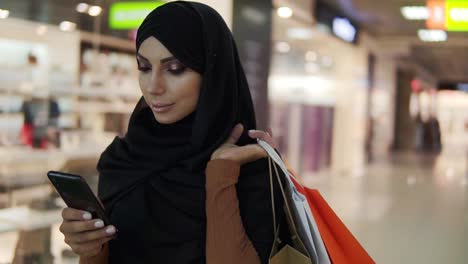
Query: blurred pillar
point(405, 127)
point(252, 31)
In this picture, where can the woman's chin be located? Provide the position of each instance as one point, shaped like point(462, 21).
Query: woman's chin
point(165, 118)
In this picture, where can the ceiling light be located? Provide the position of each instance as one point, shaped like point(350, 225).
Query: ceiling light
point(82, 7)
point(459, 14)
point(4, 13)
point(300, 33)
point(415, 12)
point(94, 10)
point(431, 35)
point(41, 30)
point(343, 29)
point(67, 26)
point(283, 47)
point(284, 12)
point(311, 56)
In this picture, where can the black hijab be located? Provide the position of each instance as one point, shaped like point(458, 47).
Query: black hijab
point(152, 181)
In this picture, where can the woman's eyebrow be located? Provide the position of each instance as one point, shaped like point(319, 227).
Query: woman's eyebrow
point(168, 59)
point(141, 57)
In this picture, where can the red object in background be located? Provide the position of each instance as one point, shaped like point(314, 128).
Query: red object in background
point(416, 85)
point(436, 18)
point(26, 134)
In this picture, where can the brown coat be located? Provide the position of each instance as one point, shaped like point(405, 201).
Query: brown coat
point(226, 240)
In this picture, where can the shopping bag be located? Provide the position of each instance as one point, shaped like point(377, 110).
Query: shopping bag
point(300, 219)
point(342, 246)
point(288, 254)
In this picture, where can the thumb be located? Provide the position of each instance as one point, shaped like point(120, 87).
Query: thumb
point(270, 131)
point(235, 134)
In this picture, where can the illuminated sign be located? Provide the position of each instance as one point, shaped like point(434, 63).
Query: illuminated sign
point(343, 29)
point(129, 15)
point(436, 18)
point(450, 15)
point(334, 22)
point(456, 15)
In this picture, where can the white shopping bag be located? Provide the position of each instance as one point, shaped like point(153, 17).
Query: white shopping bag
point(308, 230)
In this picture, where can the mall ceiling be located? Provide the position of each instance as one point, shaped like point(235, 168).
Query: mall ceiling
point(56, 11)
point(381, 18)
point(447, 61)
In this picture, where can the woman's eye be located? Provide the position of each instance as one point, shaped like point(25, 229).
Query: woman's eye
point(144, 69)
point(176, 68)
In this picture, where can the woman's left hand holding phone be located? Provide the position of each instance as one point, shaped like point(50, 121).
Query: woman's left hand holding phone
point(84, 235)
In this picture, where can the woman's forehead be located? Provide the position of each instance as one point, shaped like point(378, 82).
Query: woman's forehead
point(153, 50)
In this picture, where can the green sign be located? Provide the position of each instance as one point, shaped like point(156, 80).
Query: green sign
point(129, 15)
point(456, 17)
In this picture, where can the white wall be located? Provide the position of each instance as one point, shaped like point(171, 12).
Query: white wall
point(350, 108)
point(62, 47)
point(383, 105)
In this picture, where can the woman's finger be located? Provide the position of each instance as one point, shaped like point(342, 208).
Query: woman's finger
point(86, 237)
point(72, 214)
point(235, 134)
point(263, 136)
point(81, 226)
point(251, 153)
point(269, 131)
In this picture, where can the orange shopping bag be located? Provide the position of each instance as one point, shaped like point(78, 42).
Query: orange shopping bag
point(341, 245)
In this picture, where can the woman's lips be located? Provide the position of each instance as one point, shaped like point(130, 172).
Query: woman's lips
point(161, 108)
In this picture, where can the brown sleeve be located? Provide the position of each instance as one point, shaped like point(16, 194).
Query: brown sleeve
point(101, 258)
point(226, 240)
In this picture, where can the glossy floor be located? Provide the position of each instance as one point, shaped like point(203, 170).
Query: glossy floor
point(409, 209)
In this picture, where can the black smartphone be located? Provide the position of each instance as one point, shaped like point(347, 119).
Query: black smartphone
point(77, 194)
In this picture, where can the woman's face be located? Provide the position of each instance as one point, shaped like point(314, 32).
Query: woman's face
point(169, 88)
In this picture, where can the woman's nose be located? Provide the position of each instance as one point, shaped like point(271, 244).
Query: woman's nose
point(156, 86)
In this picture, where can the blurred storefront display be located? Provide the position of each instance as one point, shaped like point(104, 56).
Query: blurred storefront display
point(319, 92)
point(62, 102)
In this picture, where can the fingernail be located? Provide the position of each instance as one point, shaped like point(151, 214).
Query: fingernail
point(110, 230)
point(99, 224)
point(87, 216)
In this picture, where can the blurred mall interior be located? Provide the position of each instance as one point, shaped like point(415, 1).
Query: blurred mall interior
point(367, 100)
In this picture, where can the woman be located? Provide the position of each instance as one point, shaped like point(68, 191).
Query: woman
point(177, 187)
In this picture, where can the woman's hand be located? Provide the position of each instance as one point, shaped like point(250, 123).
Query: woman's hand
point(243, 154)
point(84, 235)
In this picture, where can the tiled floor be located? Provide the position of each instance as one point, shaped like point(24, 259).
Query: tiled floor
point(410, 209)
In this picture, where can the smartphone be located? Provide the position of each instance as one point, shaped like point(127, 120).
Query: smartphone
point(77, 194)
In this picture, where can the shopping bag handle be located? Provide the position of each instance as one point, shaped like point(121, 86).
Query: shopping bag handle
point(277, 161)
point(272, 154)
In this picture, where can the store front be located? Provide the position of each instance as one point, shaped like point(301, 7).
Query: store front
point(55, 114)
point(318, 98)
